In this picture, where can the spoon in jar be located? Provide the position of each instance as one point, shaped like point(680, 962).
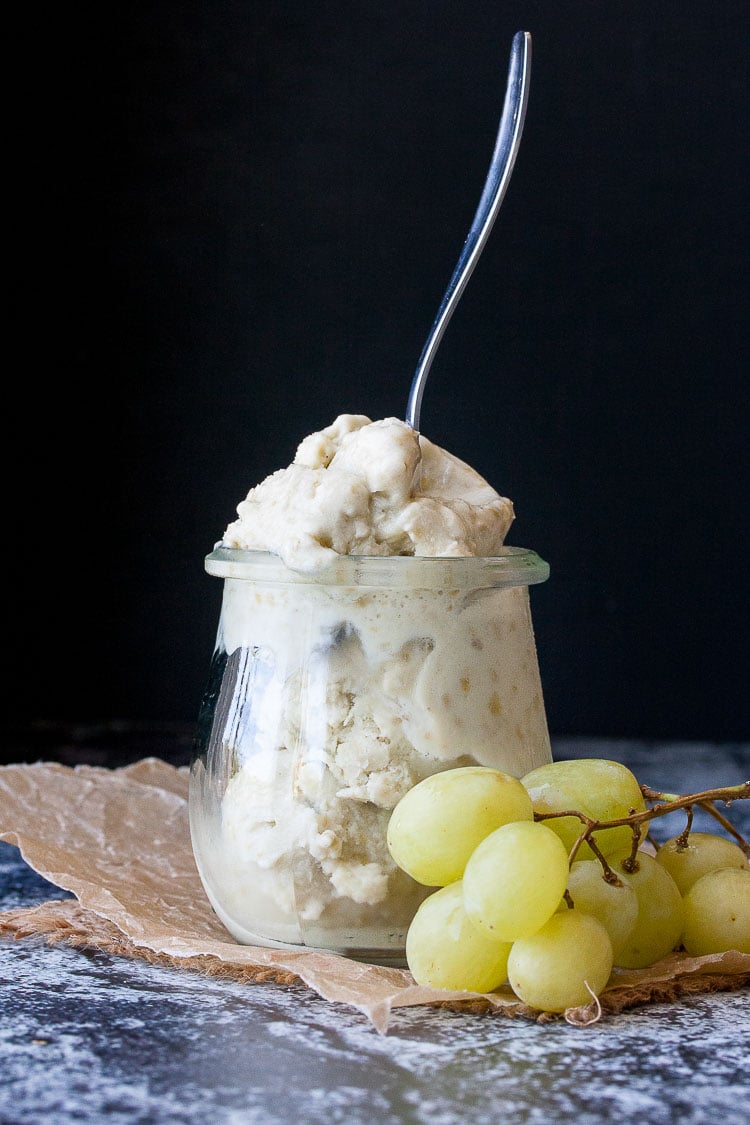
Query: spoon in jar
point(498, 176)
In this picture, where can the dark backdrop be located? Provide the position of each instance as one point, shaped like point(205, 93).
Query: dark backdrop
point(237, 220)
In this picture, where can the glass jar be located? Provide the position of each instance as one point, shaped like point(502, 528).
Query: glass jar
point(330, 695)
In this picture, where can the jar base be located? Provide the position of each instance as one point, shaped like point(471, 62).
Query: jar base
point(390, 956)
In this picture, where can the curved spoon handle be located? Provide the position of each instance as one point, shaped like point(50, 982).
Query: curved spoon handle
point(498, 176)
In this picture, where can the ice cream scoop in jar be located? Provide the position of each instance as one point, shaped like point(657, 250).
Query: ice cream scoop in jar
point(375, 629)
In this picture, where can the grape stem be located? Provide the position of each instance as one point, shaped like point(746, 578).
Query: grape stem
point(662, 803)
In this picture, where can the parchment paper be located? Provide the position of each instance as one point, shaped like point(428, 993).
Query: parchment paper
point(119, 840)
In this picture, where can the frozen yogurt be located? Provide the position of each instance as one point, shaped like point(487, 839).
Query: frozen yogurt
point(345, 672)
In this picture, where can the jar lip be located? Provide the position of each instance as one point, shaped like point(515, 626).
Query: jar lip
point(513, 566)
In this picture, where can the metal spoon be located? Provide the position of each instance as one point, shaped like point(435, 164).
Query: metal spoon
point(498, 176)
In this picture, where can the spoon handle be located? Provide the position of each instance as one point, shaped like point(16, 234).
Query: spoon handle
point(498, 176)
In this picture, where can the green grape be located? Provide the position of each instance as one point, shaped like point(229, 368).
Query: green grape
point(615, 906)
point(444, 949)
point(717, 913)
point(598, 788)
point(658, 927)
point(704, 852)
point(514, 880)
point(562, 964)
point(436, 826)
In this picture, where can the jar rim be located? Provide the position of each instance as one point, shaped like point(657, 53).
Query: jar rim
point(513, 566)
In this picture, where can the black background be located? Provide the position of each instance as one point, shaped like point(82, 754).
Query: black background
point(237, 220)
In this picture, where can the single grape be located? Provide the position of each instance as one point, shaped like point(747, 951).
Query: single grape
point(444, 949)
point(514, 880)
point(598, 788)
point(436, 826)
point(661, 913)
point(563, 964)
point(717, 913)
point(615, 906)
point(704, 852)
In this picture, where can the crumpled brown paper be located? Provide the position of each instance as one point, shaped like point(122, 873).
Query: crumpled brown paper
point(119, 840)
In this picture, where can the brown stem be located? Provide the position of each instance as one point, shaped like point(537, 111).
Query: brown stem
point(609, 875)
point(682, 839)
point(708, 807)
point(580, 839)
point(727, 793)
point(631, 863)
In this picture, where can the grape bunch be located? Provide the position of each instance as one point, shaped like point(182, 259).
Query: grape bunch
point(547, 882)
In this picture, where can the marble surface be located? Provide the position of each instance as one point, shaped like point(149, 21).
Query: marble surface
point(88, 1037)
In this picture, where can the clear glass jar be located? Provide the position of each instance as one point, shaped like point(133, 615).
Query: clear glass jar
point(330, 695)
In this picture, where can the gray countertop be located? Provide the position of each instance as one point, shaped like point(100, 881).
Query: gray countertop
point(86, 1037)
